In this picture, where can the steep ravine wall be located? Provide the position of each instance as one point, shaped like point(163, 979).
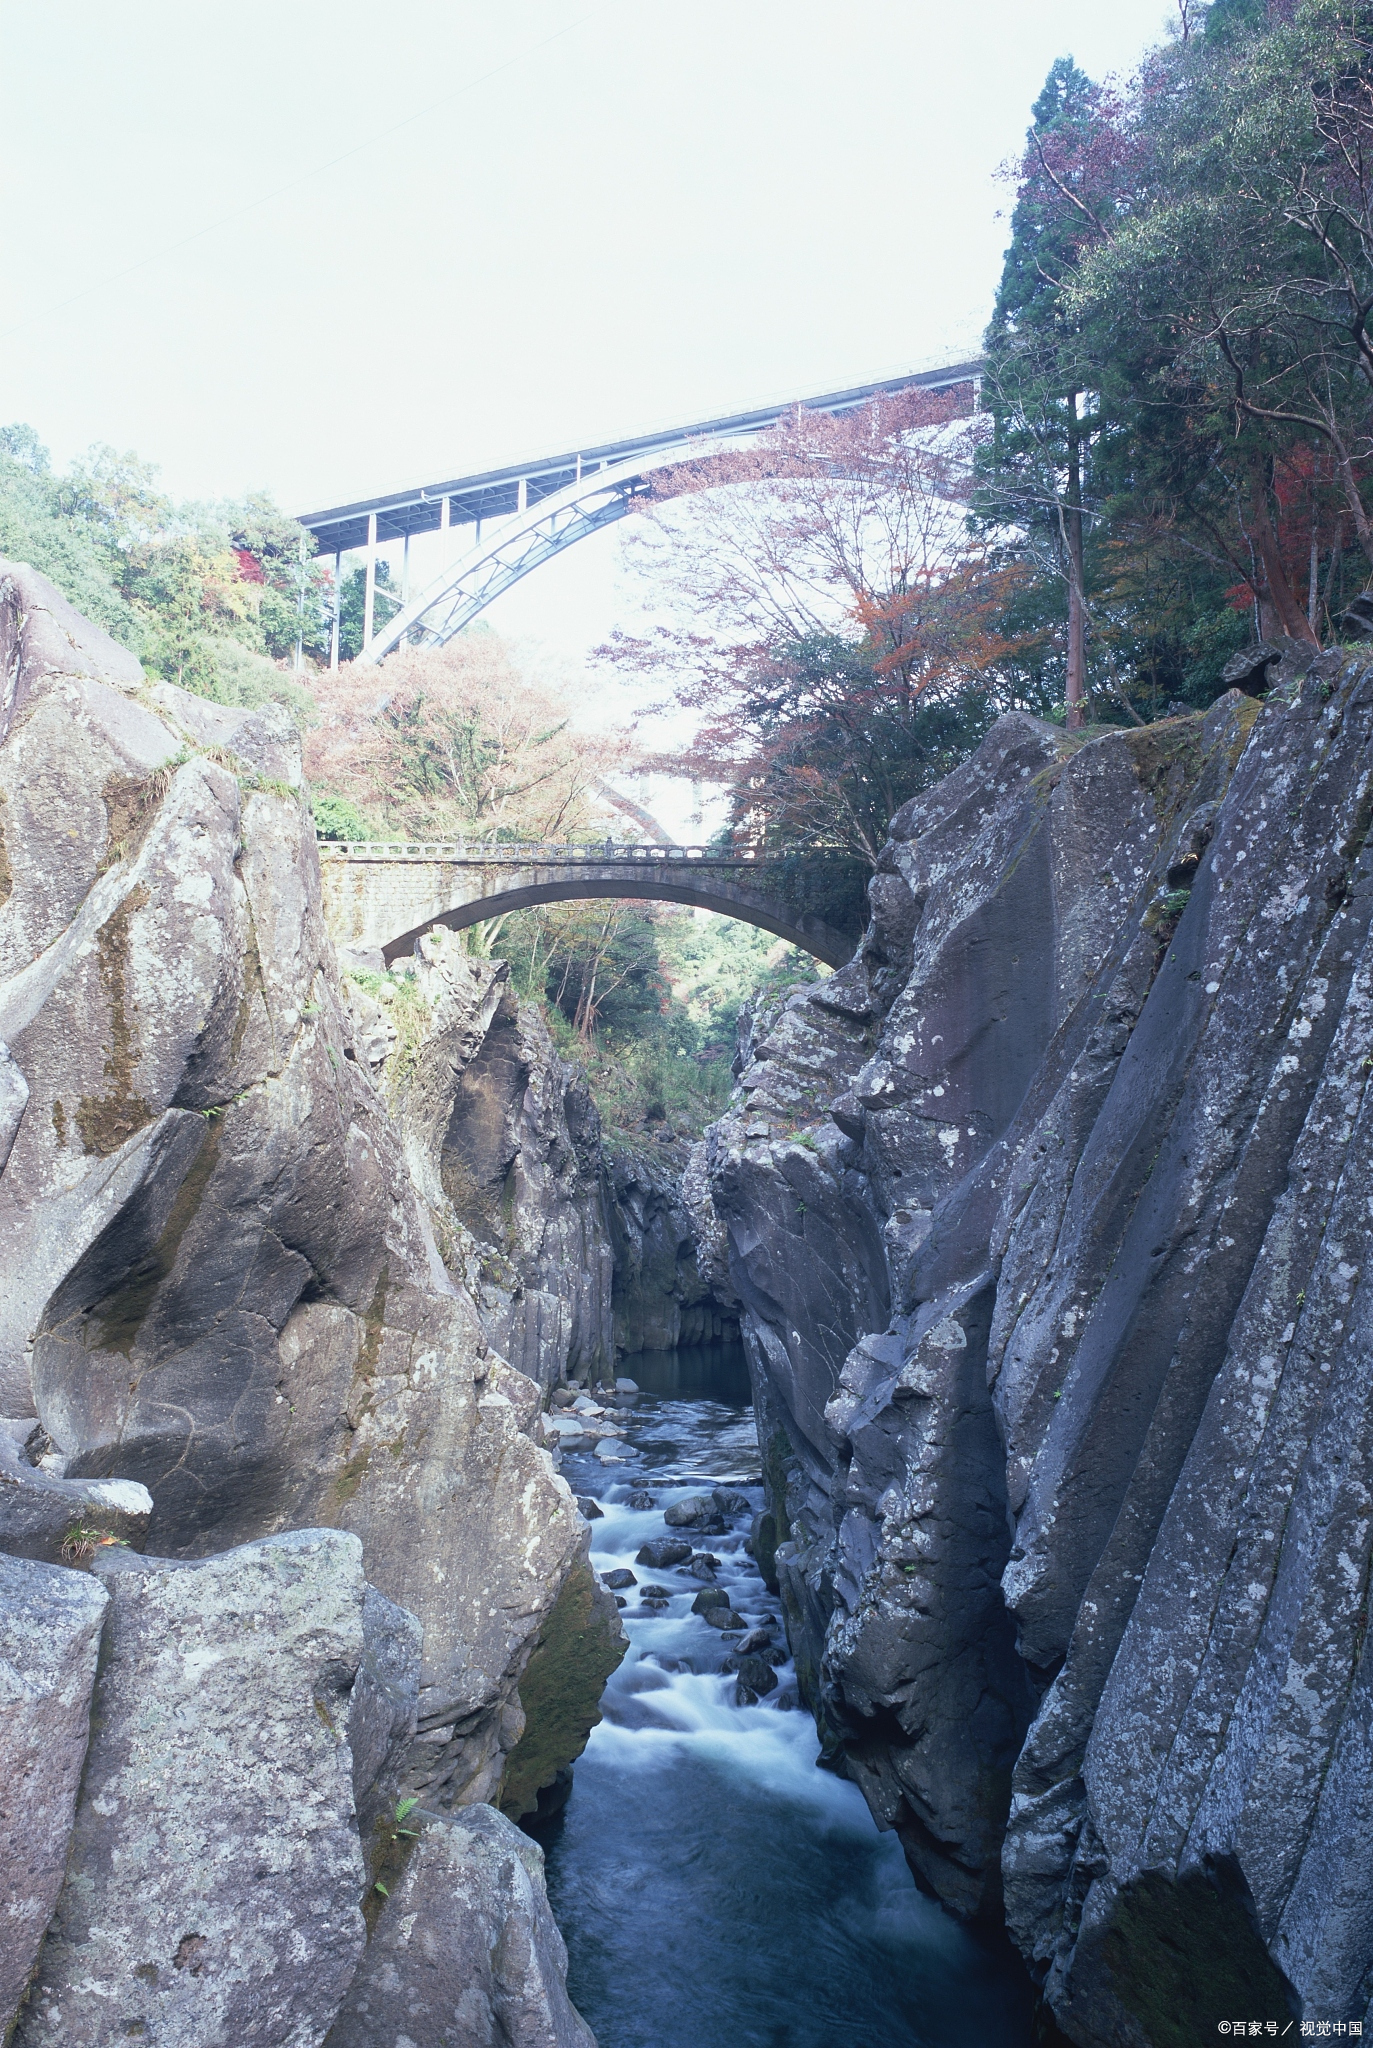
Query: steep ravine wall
point(228, 1335)
point(1050, 1217)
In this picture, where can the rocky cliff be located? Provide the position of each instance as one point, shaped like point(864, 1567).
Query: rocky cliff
point(1050, 1217)
point(225, 1319)
point(503, 1142)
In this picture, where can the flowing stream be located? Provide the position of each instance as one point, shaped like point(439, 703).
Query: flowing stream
point(715, 1888)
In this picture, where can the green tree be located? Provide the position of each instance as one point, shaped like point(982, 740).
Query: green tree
point(1233, 297)
point(1042, 384)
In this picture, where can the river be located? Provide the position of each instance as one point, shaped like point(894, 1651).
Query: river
point(715, 1888)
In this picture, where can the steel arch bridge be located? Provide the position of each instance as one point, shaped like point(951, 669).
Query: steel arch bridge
point(544, 507)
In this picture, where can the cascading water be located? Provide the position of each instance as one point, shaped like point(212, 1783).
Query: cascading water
point(716, 1889)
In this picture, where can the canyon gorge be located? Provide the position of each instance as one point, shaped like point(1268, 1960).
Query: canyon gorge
point(1042, 1223)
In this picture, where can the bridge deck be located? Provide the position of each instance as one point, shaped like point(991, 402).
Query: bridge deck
point(498, 493)
point(510, 853)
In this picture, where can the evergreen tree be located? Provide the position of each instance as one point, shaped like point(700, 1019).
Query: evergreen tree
point(1041, 385)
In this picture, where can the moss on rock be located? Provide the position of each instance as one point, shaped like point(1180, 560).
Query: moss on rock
point(579, 1646)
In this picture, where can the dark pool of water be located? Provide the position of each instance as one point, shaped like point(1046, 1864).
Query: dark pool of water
point(716, 1889)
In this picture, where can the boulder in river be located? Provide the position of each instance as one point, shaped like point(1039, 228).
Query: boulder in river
point(640, 1500)
point(619, 1579)
point(757, 1639)
point(754, 1672)
point(698, 1511)
point(723, 1617)
point(704, 1565)
point(662, 1551)
point(592, 1511)
point(729, 1502)
point(708, 1597)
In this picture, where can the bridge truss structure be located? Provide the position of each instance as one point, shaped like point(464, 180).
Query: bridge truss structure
point(543, 507)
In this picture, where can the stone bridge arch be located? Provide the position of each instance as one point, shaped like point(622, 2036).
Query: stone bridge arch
point(382, 896)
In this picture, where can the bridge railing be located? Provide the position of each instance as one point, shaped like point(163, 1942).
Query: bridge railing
point(512, 854)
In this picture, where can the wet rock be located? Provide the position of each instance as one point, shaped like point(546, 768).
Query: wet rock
point(654, 1593)
point(619, 1579)
point(626, 1386)
point(641, 1501)
point(757, 1640)
point(697, 1512)
point(756, 1674)
point(661, 1551)
point(591, 1511)
point(579, 1644)
point(710, 1596)
point(764, 1539)
point(704, 1565)
point(215, 1869)
point(722, 1617)
point(465, 1952)
point(50, 1622)
point(730, 1503)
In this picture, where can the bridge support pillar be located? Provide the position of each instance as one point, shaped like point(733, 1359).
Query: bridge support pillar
point(369, 604)
point(338, 608)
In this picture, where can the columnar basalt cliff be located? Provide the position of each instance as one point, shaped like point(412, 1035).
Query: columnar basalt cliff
point(1050, 1217)
point(227, 1333)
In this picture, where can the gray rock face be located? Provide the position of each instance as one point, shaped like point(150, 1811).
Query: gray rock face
point(215, 1867)
point(221, 1282)
point(662, 1299)
point(503, 1141)
point(465, 1952)
point(49, 1639)
point(1050, 1218)
point(62, 1520)
point(383, 1707)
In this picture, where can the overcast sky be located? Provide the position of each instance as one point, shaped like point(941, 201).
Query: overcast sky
point(325, 249)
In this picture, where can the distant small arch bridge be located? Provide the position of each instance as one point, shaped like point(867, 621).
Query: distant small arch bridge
point(383, 895)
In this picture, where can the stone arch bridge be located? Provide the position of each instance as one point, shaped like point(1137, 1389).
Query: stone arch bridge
point(382, 895)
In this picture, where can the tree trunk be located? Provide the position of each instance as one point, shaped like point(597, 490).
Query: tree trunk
point(1077, 608)
point(1279, 593)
